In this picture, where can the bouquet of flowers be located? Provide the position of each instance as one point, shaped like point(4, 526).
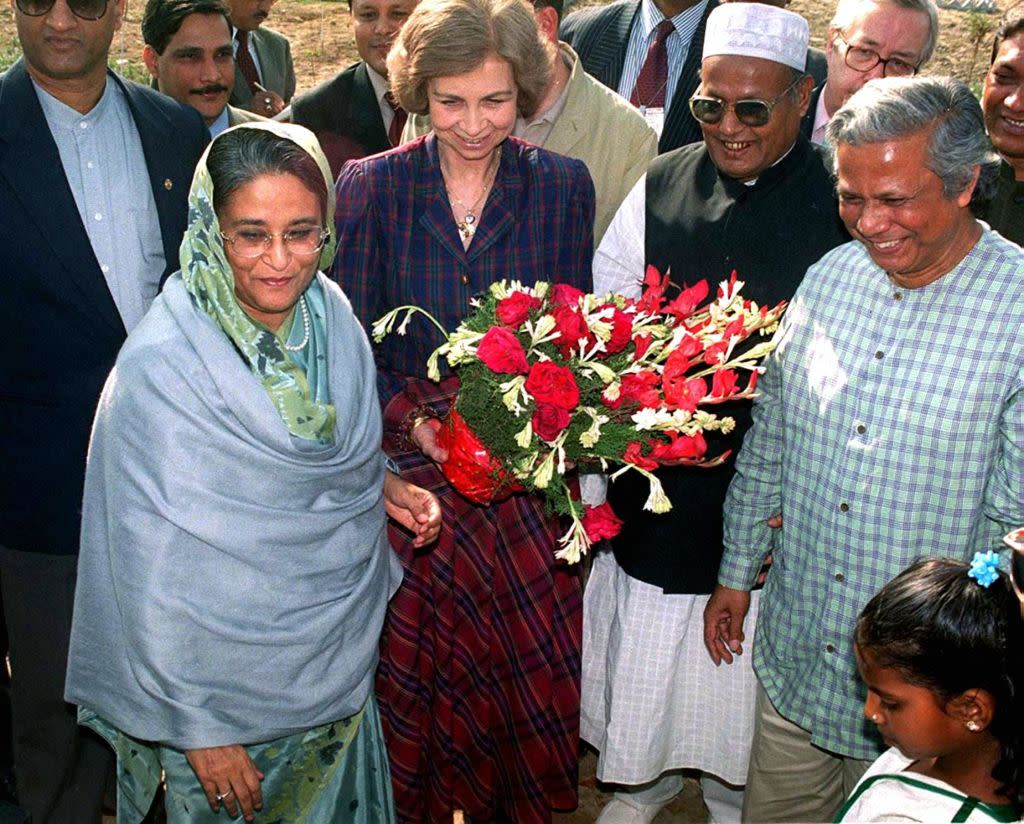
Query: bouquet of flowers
point(551, 378)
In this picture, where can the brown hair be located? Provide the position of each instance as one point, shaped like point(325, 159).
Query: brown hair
point(443, 38)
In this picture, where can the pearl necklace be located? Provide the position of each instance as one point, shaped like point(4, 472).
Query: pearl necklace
point(298, 347)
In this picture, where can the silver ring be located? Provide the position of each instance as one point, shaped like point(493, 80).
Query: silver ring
point(266, 100)
point(222, 796)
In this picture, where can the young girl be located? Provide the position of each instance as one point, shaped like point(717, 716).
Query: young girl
point(940, 648)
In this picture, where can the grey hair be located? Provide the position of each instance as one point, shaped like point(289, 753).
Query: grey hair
point(847, 11)
point(894, 107)
point(239, 156)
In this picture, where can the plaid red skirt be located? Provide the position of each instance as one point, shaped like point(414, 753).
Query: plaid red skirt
point(478, 683)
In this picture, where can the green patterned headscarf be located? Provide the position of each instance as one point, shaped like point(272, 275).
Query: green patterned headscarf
point(209, 279)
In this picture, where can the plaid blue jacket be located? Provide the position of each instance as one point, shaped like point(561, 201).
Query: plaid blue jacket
point(398, 242)
point(890, 428)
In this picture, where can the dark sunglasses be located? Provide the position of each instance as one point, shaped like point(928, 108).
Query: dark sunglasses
point(85, 9)
point(751, 112)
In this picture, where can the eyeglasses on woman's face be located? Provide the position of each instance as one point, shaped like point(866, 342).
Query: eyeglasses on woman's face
point(254, 242)
point(85, 9)
point(751, 112)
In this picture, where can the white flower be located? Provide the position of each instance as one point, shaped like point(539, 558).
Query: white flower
point(657, 500)
point(511, 391)
point(546, 470)
point(645, 419)
point(525, 435)
point(590, 437)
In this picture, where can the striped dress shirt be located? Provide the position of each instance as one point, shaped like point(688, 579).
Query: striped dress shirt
point(890, 428)
point(678, 45)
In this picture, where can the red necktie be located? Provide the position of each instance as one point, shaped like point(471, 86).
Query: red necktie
point(397, 122)
point(653, 78)
point(246, 65)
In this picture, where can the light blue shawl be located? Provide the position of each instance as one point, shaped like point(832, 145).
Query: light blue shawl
point(233, 578)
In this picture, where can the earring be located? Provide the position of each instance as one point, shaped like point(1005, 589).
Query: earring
point(973, 726)
point(874, 718)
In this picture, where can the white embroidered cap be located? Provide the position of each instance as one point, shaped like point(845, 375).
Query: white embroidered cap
point(757, 30)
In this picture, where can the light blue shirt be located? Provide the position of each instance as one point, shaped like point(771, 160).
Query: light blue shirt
point(106, 169)
point(678, 46)
point(220, 124)
point(890, 428)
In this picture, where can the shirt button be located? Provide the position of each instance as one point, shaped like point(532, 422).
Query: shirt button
point(844, 507)
point(879, 354)
point(465, 280)
point(83, 125)
point(98, 216)
point(897, 296)
point(840, 577)
point(89, 165)
point(861, 429)
point(105, 268)
point(830, 648)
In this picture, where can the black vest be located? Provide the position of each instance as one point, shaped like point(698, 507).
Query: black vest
point(701, 224)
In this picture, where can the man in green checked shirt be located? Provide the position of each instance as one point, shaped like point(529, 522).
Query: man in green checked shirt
point(890, 428)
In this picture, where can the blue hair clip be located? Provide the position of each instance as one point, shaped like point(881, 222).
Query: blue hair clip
point(984, 568)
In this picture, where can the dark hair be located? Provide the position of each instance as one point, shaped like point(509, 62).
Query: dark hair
point(162, 18)
point(239, 156)
point(943, 631)
point(1011, 24)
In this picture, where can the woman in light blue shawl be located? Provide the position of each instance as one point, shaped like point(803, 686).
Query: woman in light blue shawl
point(234, 569)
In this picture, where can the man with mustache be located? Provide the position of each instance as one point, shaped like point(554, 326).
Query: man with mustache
point(264, 74)
point(188, 52)
point(353, 114)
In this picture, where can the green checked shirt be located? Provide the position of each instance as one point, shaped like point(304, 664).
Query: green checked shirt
point(890, 428)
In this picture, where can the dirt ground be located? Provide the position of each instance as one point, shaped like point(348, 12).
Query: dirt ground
point(322, 41)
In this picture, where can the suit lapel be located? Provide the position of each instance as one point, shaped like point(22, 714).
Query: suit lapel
point(608, 52)
point(680, 127)
point(31, 164)
point(364, 110)
point(437, 216)
point(569, 128)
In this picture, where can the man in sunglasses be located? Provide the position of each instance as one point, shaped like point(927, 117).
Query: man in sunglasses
point(756, 198)
point(868, 39)
point(94, 174)
point(890, 428)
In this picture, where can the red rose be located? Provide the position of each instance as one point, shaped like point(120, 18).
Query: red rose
point(724, 383)
point(622, 332)
point(715, 353)
point(634, 456)
point(562, 294)
point(549, 421)
point(688, 299)
point(600, 522)
point(571, 327)
point(515, 309)
point(550, 383)
point(502, 352)
point(641, 387)
point(681, 447)
point(641, 343)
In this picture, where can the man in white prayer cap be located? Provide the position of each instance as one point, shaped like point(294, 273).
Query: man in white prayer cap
point(755, 197)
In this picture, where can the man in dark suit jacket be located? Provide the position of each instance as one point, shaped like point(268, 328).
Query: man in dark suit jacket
point(275, 72)
point(62, 310)
point(600, 36)
point(349, 113)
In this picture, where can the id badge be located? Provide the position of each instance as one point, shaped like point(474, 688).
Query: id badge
point(655, 117)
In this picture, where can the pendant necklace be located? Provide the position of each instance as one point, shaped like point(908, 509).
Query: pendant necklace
point(468, 225)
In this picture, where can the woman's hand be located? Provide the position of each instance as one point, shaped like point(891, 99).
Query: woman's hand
point(228, 777)
point(424, 435)
point(413, 507)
